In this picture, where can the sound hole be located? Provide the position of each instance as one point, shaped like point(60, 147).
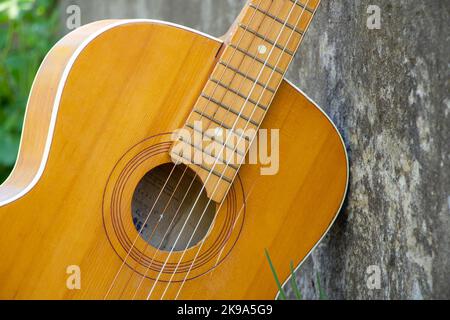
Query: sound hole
point(164, 200)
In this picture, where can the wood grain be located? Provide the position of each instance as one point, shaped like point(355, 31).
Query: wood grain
point(249, 79)
point(133, 82)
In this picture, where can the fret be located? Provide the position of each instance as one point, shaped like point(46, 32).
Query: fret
point(254, 69)
point(207, 119)
point(222, 116)
point(265, 63)
point(230, 90)
point(304, 5)
point(233, 144)
point(236, 142)
point(241, 87)
point(231, 110)
point(210, 159)
point(275, 57)
point(204, 150)
point(227, 173)
point(265, 39)
point(208, 151)
point(284, 42)
point(235, 71)
point(228, 143)
point(280, 14)
point(238, 94)
point(212, 119)
point(297, 17)
point(212, 178)
point(238, 105)
point(281, 8)
point(225, 117)
point(281, 21)
point(244, 87)
point(272, 30)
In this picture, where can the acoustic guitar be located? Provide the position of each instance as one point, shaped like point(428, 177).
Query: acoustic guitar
point(158, 162)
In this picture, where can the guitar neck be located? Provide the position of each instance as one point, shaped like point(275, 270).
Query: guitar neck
point(243, 84)
point(270, 32)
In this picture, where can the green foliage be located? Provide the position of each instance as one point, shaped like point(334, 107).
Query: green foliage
point(298, 295)
point(322, 294)
point(28, 29)
point(275, 275)
point(282, 296)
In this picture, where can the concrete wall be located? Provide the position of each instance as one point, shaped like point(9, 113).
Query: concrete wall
point(388, 92)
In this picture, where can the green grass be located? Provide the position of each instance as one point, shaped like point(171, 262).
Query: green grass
point(322, 295)
point(28, 29)
point(297, 293)
point(277, 280)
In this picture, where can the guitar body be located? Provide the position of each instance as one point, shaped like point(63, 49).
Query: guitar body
point(100, 117)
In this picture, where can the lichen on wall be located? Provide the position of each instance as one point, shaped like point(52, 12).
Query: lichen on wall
point(387, 90)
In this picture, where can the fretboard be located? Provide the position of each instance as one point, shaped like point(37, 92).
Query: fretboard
point(241, 88)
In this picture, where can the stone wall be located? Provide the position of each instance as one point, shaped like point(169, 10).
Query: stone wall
point(387, 90)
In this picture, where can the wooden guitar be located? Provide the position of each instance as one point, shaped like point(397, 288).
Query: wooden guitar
point(106, 201)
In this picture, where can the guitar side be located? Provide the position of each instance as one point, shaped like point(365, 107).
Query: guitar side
point(116, 87)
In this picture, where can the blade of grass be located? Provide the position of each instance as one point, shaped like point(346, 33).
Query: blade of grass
point(282, 294)
point(322, 295)
point(298, 295)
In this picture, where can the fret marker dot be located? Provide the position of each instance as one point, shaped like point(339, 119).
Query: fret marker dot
point(218, 132)
point(262, 49)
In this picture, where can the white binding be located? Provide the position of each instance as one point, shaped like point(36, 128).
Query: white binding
point(57, 101)
point(346, 184)
point(60, 89)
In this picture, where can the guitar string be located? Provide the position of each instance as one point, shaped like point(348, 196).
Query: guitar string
point(251, 91)
point(182, 230)
point(151, 211)
point(241, 210)
point(250, 190)
point(154, 230)
point(165, 263)
point(235, 223)
point(279, 59)
point(147, 269)
point(237, 144)
point(134, 242)
point(306, 29)
point(163, 238)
